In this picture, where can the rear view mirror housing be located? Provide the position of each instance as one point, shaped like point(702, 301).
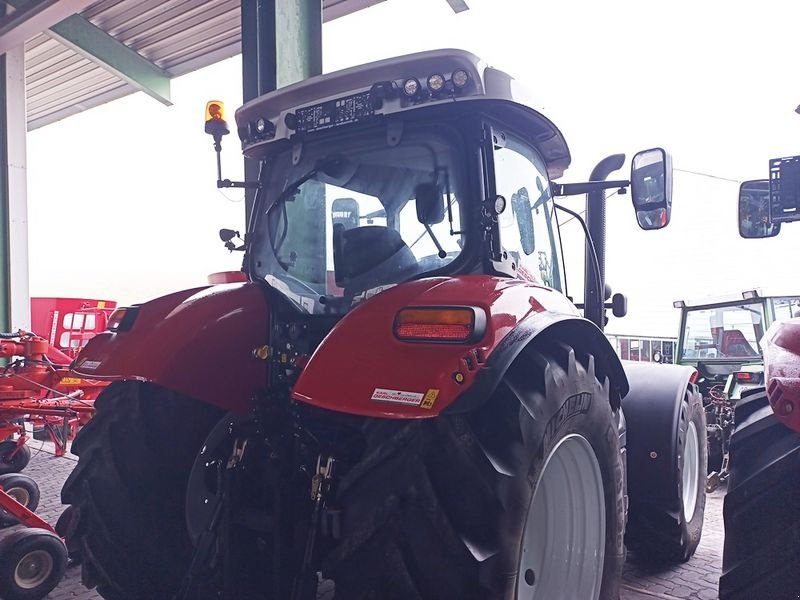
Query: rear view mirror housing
point(347, 212)
point(651, 188)
point(429, 203)
point(754, 210)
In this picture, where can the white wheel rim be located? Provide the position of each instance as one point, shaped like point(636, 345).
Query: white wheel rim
point(21, 495)
point(33, 569)
point(563, 547)
point(691, 466)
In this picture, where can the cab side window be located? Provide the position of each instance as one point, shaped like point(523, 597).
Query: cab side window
point(528, 228)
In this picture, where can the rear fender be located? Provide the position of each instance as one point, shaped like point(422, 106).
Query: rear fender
point(361, 368)
point(198, 342)
point(652, 412)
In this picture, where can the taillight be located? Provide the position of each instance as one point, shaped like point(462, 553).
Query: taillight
point(744, 376)
point(439, 324)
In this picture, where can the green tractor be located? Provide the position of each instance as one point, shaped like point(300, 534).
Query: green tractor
point(721, 340)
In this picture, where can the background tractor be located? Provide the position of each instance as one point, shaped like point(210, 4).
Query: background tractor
point(762, 524)
point(400, 401)
point(722, 341)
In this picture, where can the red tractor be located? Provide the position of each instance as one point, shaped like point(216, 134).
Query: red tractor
point(400, 401)
point(762, 521)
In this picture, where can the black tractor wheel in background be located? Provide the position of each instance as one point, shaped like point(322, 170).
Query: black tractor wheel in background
point(485, 505)
point(762, 522)
point(128, 489)
point(11, 462)
point(32, 563)
point(669, 531)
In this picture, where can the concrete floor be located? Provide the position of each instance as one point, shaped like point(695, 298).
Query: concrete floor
point(694, 580)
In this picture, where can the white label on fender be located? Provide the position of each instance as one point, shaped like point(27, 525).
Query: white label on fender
point(411, 398)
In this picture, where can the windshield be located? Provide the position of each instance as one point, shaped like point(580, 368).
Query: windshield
point(786, 308)
point(343, 220)
point(727, 332)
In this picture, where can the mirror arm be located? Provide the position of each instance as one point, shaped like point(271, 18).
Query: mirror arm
point(574, 189)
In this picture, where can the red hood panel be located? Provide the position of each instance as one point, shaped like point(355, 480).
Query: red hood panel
point(361, 368)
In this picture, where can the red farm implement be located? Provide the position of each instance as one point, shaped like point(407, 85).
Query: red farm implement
point(36, 385)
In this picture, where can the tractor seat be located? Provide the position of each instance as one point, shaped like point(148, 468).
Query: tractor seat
point(366, 257)
point(734, 343)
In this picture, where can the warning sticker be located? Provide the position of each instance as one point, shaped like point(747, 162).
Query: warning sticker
point(70, 381)
point(429, 399)
point(89, 365)
point(384, 395)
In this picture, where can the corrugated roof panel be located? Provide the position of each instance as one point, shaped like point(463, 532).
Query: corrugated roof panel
point(179, 36)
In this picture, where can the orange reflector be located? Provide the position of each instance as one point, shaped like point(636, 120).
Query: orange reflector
point(694, 377)
point(744, 376)
point(435, 324)
point(215, 111)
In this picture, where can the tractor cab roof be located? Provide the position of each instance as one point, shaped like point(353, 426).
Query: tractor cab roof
point(393, 86)
point(746, 296)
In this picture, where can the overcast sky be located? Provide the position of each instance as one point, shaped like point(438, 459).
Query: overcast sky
point(123, 203)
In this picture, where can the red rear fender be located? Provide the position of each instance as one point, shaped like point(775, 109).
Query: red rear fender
point(362, 368)
point(198, 342)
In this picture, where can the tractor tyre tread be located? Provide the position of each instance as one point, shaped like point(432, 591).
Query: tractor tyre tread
point(427, 512)
point(128, 489)
point(762, 524)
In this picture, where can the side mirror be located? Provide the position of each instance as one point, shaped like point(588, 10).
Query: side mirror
point(651, 188)
point(754, 209)
point(345, 211)
point(430, 203)
point(521, 205)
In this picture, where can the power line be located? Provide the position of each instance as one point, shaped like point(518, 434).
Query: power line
point(709, 175)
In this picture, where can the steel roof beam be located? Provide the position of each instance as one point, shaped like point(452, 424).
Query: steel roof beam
point(32, 17)
point(91, 42)
point(86, 39)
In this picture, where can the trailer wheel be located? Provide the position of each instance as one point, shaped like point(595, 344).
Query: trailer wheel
point(21, 488)
point(762, 524)
point(128, 489)
point(669, 530)
point(15, 463)
point(32, 563)
point(522, 498)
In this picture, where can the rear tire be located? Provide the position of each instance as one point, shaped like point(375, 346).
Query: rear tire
point(762, 523)
point(128, 490)
point(450, 508)
point(669, 531)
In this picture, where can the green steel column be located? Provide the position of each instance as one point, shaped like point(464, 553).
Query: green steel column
point(281, 44)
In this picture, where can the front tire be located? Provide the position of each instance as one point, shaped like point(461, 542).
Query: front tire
point(485, 505)
point(669, 529)
point(128, 490)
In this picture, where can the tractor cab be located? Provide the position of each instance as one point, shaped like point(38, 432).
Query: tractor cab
point(427, 165)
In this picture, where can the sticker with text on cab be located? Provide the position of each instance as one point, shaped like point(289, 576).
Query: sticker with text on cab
point(397, 396)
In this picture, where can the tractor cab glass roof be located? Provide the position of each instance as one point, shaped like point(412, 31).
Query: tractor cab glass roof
point(337, 219)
